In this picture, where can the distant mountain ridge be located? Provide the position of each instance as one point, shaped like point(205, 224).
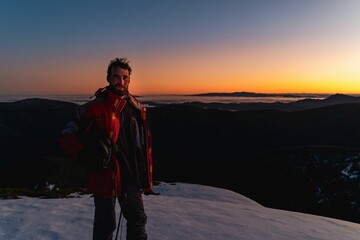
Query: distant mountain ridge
point(234, 94)
point(304, 104)
point(253, 94)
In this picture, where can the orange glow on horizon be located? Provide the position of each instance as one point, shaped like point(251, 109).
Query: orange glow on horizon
point(263, 69)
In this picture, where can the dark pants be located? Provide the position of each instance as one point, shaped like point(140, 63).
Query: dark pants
point(132, 208)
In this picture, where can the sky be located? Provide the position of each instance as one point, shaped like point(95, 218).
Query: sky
point(181, 47)
point(181, 211)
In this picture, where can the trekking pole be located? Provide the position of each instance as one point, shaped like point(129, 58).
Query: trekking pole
point(118, 227)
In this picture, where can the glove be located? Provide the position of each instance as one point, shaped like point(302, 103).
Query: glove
point(96, 152)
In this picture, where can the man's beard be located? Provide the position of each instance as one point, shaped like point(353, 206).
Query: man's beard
point(119, 92)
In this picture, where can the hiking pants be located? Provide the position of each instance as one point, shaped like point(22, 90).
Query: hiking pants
point(132, 208)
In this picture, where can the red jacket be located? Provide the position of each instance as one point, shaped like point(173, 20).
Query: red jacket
point(103, 115)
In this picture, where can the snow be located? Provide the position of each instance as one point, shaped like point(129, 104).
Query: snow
point(349, 172)
point(181, 211)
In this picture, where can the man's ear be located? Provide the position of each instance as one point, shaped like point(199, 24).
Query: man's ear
point(108, 78)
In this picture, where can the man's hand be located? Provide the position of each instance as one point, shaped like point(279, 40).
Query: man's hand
point(96, 152)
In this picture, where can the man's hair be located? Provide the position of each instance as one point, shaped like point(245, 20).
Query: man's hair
point(119, 62)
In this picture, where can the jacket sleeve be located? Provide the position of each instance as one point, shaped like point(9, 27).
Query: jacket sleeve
point(69, 139)
point(149, 188)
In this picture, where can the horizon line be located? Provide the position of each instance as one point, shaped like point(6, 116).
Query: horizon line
point(183, 94)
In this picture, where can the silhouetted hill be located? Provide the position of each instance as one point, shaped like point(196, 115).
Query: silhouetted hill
point(29, 133)
point(291, 160)
point(331, 100)
point(248, 132)
point(300, 160)
point(341, 98)
point(30, 126)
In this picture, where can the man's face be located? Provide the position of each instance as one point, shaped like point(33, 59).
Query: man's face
point(120, 80)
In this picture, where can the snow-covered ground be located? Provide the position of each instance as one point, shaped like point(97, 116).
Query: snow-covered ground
point(181, 211)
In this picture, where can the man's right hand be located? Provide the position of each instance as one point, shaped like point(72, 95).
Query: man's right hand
point(96, 152)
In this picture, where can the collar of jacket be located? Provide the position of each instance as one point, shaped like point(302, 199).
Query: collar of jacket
point(113, 99)
point(136, 103)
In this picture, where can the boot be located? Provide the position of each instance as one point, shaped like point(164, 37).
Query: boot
point(136, 235)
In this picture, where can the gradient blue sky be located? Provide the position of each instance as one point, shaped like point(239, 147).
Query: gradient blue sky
point(188, 46)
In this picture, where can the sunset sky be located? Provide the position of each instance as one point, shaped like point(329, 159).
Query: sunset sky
point(181, 46)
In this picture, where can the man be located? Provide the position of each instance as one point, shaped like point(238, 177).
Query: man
point(110, 136)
